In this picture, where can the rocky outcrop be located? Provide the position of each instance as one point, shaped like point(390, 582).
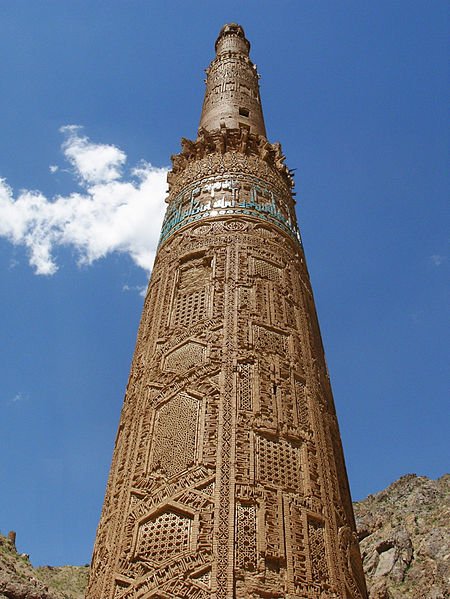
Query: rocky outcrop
point(19, 580)
point(405, 539)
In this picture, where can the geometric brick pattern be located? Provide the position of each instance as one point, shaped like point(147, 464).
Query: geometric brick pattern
point(185, 357)
point(228, 478)
point(246, 556)
point(152, 536)
point(278, 463)
point(175, 435)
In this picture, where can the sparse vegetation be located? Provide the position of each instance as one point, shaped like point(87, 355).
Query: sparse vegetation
point(20, 580)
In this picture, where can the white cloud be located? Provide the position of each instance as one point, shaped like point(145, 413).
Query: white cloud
point(114, 213)
point(19, 397)
point(437, 260)
point(93, 163)
point(141, 289)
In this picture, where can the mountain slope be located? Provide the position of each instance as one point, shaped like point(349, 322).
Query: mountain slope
point(405, 539)
point(19, 580)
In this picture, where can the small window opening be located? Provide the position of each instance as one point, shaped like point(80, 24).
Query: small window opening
point(244, 111)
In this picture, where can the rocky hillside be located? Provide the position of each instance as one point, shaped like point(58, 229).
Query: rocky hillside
point(19, 580)
point(404, 534)
point(405, 543)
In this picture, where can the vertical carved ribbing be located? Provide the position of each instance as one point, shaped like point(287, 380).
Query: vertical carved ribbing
point(228, 478)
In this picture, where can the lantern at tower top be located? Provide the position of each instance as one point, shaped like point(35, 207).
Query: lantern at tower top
point(232, 97)
point(232, 39)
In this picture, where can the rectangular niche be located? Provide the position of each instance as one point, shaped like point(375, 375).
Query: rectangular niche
point(191, 301)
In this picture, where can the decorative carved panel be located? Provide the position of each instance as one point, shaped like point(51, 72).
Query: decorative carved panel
point(267, 270)
point(297, 546)
point(228, 478)
point(191, 298)
point(278, 463)
point(246, 556)
point(153, 536)
point(175, 435)
point(274, 528)
point(185, 357)
point(302, 404)
point(268, 340)
point(317, 551)
point(245, 386)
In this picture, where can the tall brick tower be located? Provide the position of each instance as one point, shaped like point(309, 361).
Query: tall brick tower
point(228, 478)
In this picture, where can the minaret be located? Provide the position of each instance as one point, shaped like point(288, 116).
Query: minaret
point(228, 478)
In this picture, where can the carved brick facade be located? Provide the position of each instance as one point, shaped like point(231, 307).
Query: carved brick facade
point(228, 478)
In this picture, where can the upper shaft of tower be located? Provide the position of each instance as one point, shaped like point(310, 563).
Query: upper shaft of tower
point(232, 90)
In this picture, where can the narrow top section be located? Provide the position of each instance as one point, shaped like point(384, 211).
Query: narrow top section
point(232, 39)
point(232, 97)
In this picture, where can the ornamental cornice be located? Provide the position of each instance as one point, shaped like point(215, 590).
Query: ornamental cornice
point(228, 150)
point(229, 184)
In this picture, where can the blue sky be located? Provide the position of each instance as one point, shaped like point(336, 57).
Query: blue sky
point(95, 97)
